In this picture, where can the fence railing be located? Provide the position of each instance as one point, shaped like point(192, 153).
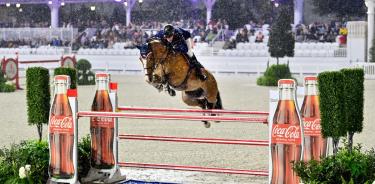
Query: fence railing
point(11, 34)
point(340, 52)
point(368, 68)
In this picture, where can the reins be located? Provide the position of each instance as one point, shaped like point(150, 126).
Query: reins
point(161, 61)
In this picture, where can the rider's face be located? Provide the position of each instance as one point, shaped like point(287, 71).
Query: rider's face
point(169, 39)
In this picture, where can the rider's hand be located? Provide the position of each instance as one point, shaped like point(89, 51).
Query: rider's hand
point(169, 46)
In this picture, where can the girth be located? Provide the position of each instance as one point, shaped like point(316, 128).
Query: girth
point(183, 85)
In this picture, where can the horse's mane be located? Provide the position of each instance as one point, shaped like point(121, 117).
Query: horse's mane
point(158, 40)
point(155, 40)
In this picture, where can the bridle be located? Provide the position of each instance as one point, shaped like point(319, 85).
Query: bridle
point(157, 62)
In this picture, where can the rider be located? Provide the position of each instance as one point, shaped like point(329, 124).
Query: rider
point(180, 40)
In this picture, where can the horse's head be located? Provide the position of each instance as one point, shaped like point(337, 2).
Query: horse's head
point(152, 53)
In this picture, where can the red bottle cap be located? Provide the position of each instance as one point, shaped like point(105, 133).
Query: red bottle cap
point(61, 77)
point(101, 75)
point(113, 85)
point(286, 81)
point(313, 78)
point(72, 93)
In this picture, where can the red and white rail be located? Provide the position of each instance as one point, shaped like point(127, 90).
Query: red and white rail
point(10, 66)
point(187, 115)
point(171, 117)
point(194, 168)
point(211, 111)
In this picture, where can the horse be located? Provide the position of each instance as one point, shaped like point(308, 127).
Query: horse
point(165, 68)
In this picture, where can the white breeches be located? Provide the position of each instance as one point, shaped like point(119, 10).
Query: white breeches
point(190, 47)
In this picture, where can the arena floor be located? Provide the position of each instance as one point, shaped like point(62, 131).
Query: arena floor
point(237, 92)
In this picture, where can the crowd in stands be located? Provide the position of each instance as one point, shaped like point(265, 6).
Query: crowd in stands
point(33, 43)
point(22, 24)
point(102, 34)
point(321, 32)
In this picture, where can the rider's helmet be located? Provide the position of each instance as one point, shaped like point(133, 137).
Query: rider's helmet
point(168, 30)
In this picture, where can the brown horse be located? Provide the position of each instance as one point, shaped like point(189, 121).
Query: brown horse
point(164, 67)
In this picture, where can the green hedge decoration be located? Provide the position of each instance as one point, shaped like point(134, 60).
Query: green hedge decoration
point(68, 71)
point(331, 88)
point(85, 76)
point(346, 167)
point(372, 52)
point(2, 76)
point(7, 88)
point(273, 74)
point(36, 154)
point(84, 156)
point(3, 86)
point(281, 39)
point(38, 97)
point(353, 99)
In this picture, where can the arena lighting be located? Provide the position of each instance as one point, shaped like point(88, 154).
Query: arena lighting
point(18, 5)
point(118, 0)
point(62, 3)
point(7, 4)
point(126, 3)
point(20, 10)
point(276, 5)
point(140, 1)
point(49, 2)
point(92, 8)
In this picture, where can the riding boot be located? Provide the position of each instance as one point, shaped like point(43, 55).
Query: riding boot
point(199, 69)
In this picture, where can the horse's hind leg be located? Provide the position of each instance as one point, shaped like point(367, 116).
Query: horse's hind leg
point(202, 103)
point(213, 106)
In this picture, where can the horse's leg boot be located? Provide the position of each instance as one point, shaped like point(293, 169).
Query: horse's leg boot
point(199, 69)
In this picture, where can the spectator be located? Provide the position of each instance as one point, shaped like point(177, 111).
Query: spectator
point(231, 44)
point(242, 36)
point(259, 37)
point(343, 34)
point(84, 40)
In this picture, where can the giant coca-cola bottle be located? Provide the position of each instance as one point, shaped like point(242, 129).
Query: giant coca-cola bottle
point(61, 131)
point(315, 146)
point(286, 135)
point(102, 128)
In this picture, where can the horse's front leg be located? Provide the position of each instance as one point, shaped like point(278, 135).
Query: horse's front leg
point(158, 86)
point(168, 89)
point(161, 83)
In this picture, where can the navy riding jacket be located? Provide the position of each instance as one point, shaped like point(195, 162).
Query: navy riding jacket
point(178, 43)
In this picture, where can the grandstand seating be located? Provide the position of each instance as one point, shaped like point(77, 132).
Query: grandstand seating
point(44, 50)
point(303, 49)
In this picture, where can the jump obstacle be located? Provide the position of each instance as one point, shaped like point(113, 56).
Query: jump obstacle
point(10, 66)
point(149, 113)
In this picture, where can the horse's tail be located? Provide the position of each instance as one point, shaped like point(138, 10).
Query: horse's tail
point(218, 105)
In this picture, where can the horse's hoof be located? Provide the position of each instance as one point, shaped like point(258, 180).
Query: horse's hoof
point(207, 124)
point(172, 92)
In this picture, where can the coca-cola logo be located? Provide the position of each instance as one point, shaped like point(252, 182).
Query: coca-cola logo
point(312, 124)
point(291, 132)
point(104, 122)
point(102, 119)
point(64, 122)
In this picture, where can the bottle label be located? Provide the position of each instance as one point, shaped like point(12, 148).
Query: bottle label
point(311, 126)
point(286, 134)
point(103, 122)
point(61, 124)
